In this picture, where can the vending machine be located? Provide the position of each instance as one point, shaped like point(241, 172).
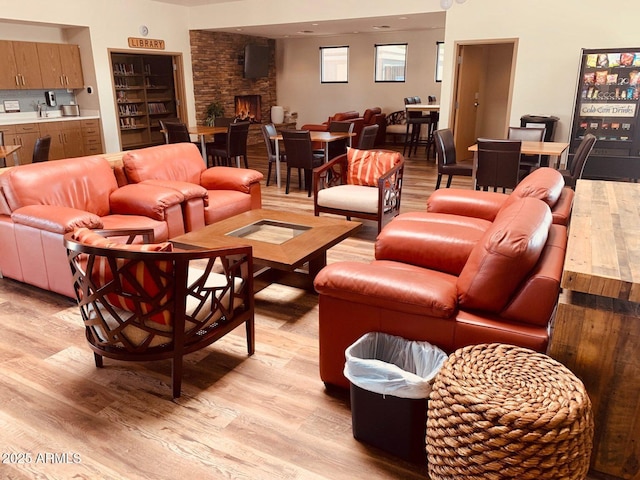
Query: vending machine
point(607, 105)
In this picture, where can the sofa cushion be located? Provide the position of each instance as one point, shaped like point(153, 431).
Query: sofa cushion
point(137, 278)
point(503, 257)
point(177, 161)
point(355, 198)
point(341, 116)
point(366, 166)
point(369, 115)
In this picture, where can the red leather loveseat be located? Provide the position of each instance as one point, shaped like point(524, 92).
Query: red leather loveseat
point(40, 202)
point(371, 116)
point(211, 194)
point(449, 279)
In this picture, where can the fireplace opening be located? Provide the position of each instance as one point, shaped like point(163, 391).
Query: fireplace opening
point(248, 107)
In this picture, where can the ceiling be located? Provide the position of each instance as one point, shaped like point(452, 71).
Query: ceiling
point(422, 21)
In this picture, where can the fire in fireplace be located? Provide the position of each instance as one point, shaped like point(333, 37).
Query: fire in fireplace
point(248, 108)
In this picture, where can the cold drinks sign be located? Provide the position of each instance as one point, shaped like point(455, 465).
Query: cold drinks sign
point(608, 110)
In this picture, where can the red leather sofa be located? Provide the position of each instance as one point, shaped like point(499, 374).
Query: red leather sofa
point(374, 116)
point(211, 194)
point(41, 202)
point(370, 117)
point(449, 279)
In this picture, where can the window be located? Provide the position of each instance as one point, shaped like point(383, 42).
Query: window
point(391, 62)
point(334, 64)
point(439, 60)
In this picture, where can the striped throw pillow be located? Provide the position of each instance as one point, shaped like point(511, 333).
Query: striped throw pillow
point(365, 167)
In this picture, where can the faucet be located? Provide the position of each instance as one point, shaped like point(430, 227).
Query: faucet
point(39, 107)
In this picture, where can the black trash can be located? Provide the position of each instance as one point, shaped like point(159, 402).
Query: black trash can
point(391, 379)
point(547, 121)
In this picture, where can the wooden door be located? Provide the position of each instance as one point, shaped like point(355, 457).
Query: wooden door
point(9, 70)
point(71, 66)
point(26, 54)
point(467, 99)
point(50, 66)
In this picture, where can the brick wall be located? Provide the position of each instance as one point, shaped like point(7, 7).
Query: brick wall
point(217, 74)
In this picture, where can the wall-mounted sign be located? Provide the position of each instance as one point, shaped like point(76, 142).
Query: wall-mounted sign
point(11, 106)
point(149, 43)
point(608, 110)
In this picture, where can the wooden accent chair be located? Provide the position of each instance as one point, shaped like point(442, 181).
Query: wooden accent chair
point(361, 183)
point(146, 301)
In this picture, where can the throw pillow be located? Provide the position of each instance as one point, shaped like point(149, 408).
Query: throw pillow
point(135, 276)
point(365, 167)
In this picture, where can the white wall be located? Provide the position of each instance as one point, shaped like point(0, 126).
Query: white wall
point(298, 74)
point(550, 36)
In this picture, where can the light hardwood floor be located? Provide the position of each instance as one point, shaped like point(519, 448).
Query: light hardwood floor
point(262, 417)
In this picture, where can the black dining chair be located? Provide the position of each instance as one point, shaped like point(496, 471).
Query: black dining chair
point(414, 122)
point(368, 137)
point(498, 164)
point(577, 162)
point(300, 155)
point(528, 163)
point(446, 155)
point(269, 130)
point(41, 149)
point(235, 146)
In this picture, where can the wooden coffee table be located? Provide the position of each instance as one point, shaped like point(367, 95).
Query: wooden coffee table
point(288, 248)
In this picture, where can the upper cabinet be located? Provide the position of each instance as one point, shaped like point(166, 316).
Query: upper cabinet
point(31, 65)
point(22, 69)
point(60, 65)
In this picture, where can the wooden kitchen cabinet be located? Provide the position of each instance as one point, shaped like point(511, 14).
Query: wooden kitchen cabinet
point(20, 68)
point(60, 65)
point(91, 137)
point(26, 135)
point(66, 139)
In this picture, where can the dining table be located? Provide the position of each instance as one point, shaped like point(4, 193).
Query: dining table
point(10, 150)
point(553, 149)
point(316, 136)
point(202, 131)
point(422, 107)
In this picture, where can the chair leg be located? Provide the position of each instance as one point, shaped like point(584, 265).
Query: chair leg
point(176, 375)
point(439, 180)
point(308, 180)
point(251, 342)
point(449, 181)
point(98, 359)
point(246, 163)
point(269, 173)
point(407, 140)
point(288, 180)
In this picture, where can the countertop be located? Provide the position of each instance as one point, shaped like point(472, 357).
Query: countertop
point(53, 116)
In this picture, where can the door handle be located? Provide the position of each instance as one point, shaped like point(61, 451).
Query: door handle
point(475, 104)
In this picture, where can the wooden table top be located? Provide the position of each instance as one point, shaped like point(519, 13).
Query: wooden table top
point(320, 234)
point(207, 130)
point(6, 150)
point(554, 149)
point(317, 136)
point(603, 254)
point(422, 107)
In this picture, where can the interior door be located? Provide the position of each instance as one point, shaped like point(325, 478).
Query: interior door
point(467, 98)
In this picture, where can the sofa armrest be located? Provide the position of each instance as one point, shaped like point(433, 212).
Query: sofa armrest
point(312, 127)
point(56, 219)
point(230, 178)
point(384, 284)
point(142, 199)
point(469, 203)
point(561, 211)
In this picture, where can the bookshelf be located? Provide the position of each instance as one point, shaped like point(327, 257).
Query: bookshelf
point(145, 94)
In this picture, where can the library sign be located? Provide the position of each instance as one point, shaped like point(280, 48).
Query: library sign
point(148, 43)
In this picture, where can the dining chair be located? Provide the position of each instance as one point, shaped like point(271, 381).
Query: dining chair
point(163, 126)
point(498, 164)
point(269, 130)
point(41, 149)
point(577, 162)
point(235, 146)
point(446, 157)
point(414, 122)
point(528, 163)
point(339, 146)
point(300, 155)
point(368, 137)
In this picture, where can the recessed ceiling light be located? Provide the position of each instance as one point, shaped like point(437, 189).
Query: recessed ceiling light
point(380, 27)
point(315, 24)
point(305, 31)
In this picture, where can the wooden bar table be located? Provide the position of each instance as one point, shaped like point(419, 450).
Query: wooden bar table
point(597, 326)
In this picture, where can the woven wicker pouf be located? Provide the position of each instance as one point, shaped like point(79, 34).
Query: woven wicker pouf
point(504, 412)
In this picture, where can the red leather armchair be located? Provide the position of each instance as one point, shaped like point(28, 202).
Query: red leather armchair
point(446, 282)
point(374, 116)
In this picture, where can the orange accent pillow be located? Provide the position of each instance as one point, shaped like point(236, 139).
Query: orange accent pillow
point(137, 278)
point(365, 167)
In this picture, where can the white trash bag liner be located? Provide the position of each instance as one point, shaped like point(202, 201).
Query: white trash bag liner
point(391, 365)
